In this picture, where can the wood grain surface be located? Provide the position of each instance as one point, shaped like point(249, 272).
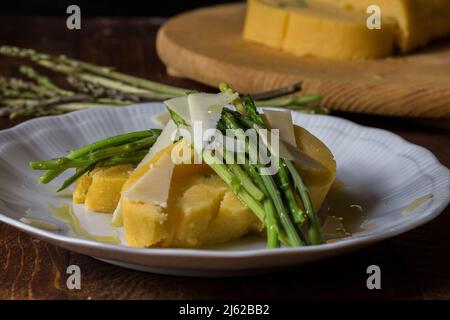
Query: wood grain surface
point(206, 45)
point(414, 265)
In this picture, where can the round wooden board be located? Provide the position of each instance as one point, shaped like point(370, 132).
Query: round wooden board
point(206, 45)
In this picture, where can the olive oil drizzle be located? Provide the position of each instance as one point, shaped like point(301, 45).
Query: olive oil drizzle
point(416, 204)
point(65, 214)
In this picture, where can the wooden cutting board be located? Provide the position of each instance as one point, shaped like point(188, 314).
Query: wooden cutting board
point(206, 45)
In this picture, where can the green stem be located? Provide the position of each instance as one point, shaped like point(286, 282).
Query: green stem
point(16, 88)
point(104, 82)
point(113, 141)
point(271, 224)
point(271, 213)
point(294, 238)
point(98, 80)
point(288, 226)
point(37, 106)
point(94, 149)
point(50, 175)
point(246, 182)
point(15, 102)
point(314, 230)
point(237, 102)
point(289, 101)
point(131, 80)
point(297, 214)
point(122, 87)
point(71, 66)
point(222, 171)
point(285, 185)
point(116, 160)
point(273, 231)
point(65, 163)
point(314, 233)
point(43, 81)
point(74, 177)
point(74, 106)
point(122, 149)
point(242, 176)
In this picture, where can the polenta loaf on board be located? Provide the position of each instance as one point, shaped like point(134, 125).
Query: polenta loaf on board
point(418, 21)
point(316, 29)
point(338, 29)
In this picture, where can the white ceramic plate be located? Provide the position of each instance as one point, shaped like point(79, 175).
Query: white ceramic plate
point(384, 174)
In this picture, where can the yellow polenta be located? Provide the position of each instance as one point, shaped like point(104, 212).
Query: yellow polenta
point(338, 28)
point(196, 198)
point(201, 210)
point(316, 30)
point(100, 189)
point(418, 21)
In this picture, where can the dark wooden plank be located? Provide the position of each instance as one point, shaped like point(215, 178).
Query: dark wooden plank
point(30, 269)
point(34, 269)
point(414, 265)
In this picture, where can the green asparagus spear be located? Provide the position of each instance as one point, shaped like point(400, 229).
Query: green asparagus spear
point(232, 181)
point(292, 234)
point(105, 86)
point(286, 221)
point(283, 175)
point(314, 233)
point(77, 174)
point(65, 163)
point(295, 101)
point(102, 154)
point(113, 141)
point(114, 145)
point(43, 81)
point(242, 176)
point(133, 159)
point(68, 65)
point(122, 149)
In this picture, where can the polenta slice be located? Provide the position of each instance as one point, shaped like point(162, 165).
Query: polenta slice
point(100, 189)
point(197, 198)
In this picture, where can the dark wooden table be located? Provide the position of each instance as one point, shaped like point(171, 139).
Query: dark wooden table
point(414, 265)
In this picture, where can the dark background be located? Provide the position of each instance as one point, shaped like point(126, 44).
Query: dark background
point(104, 7)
